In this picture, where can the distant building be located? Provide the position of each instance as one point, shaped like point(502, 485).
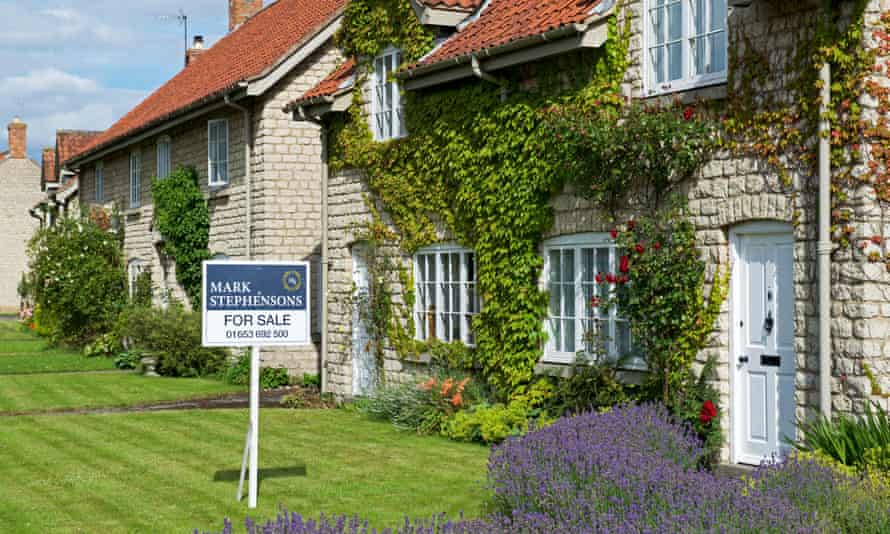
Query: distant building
point(20, 186)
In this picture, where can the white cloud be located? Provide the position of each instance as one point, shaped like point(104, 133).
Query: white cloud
point(46, 80)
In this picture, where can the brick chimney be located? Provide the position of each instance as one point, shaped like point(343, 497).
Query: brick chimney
point(241, 10)
point(196, 50)
point(18, 139)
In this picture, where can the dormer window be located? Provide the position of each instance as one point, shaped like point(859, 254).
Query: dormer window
point(387, 114)
point(685, 44)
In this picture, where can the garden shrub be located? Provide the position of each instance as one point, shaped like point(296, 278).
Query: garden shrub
point(77, 280)
point(592, 386)
point(847, 439)
point(424, 407)
point(239, 374)
point(173, 336)
point(106, 346)
point(493, 423)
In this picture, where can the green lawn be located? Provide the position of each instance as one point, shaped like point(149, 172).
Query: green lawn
point(176, 471)
point(44, 392)
point(35, 378)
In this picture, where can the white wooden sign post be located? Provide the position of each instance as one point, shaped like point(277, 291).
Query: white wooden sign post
point(254, 304)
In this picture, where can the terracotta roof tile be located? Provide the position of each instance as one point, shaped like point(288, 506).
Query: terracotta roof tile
point(459, 4)
point(248, 52)
point(504, 21)
point(338, 81)
point(70, 142)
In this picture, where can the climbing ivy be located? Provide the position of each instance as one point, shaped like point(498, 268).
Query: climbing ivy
point(481, 163)
point(183, 219)
point(394, 23)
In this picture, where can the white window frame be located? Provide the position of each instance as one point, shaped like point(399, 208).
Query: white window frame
point(99, 182)
point(688, 79)
point(387, 117)
point(433, 322)
point(135, 267)
point(216, 178)
point(164, 158)
point(135, 179)
point(583, 288)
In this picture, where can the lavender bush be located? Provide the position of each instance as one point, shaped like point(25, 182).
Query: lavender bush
point(634, 470)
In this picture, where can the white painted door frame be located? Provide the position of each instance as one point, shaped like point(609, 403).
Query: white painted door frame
point(739, 402)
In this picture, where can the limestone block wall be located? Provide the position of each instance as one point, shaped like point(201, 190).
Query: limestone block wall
point(19, 192)
point(287, 198)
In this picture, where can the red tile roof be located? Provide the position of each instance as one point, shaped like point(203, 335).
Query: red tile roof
point(504, 21)
point(336, 82)
point(70, 142)
point(459, 4)
point(250, 51)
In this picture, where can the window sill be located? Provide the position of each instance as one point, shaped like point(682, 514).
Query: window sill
point(690, 95)
point(218, 192)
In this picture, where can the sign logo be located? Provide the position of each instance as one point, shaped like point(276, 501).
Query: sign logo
point(292, 281)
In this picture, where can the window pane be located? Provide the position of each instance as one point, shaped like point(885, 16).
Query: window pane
point(675, 21)
point(556, 334)
point(675, 61)
point(699, 56)
point(555, 266)
point(718, 14)
point(658, 26)
point(622, 338)
point(658, 64)
point(568, 266)
point(718, 52)
point(699, 17)
point(569, 326)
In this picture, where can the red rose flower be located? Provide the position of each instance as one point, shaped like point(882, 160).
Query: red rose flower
point(688, 113)
point(876, 239)
point(598, 278)
point(630, 224)
point(595, 301)
point(623, 279)
point(625, 264)
point(639, 248)
point(708, 412)
point(610, 278)
point(614, 233)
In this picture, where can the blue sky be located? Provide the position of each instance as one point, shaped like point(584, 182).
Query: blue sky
point(82, 64)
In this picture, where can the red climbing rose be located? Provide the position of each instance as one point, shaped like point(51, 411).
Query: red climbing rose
point(708, 412)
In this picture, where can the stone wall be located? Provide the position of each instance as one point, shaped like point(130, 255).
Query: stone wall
point(286, 168)
point(20, 186)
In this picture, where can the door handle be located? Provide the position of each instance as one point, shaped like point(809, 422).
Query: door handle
point(743, 359)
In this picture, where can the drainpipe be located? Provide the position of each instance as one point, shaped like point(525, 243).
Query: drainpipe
point(823, 246)
point(248, 173)
point(325, 259)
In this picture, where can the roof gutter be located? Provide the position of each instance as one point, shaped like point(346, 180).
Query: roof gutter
point(186, 114)
point(425, 70)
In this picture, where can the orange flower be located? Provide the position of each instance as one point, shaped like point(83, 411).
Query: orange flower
point(462, 384)
point(428, 385)
point(457, 400)
point(446, 386)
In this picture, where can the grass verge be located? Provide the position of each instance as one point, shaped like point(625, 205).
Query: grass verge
point(176, 471)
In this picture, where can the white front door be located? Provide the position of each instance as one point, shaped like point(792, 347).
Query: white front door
point(364, 368)
point(763, 355)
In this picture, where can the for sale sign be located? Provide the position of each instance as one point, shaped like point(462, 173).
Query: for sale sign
point(250, 304)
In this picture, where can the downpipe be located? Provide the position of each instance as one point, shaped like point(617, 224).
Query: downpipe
point(824, 247)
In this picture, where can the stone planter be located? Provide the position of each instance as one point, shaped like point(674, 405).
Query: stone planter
point(149, 363)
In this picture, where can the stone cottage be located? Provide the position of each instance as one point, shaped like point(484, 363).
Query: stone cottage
point(20, 183)
point(60, 184)
point(806, 319)
point(223, 116)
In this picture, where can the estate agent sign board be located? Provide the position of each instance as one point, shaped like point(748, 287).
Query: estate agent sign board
point(254, 304)
point(249, 304)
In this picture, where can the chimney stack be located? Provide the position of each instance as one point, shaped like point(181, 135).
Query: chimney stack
point(241, 10)
point(196, 50)
point(18, 139)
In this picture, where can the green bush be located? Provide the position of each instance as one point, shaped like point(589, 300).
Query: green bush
point(493, 423)
point(106, 346)
point(592, 386)
point(239, 374)
point(77, 280)
point(424, 407)
point(173, 336)
point(847, 439)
